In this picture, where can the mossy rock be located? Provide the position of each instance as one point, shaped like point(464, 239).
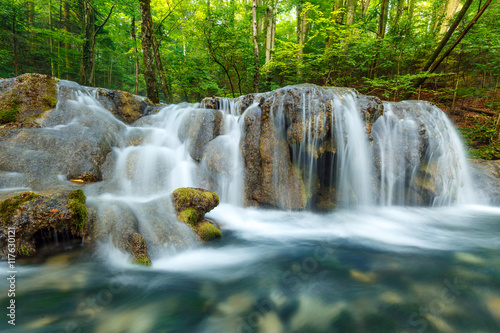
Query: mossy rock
point(39, 218)
point(191, 205)
point(199, 199)
point(25, 98)
point(188, 216)
point(8, 207)
point(207, 231)
point(136, 245)
point(76, 203)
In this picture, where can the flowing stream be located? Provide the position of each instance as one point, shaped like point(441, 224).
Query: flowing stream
point(381, 262)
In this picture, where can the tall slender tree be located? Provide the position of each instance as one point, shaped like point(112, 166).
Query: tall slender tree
point(147, 54)
point(255, 47)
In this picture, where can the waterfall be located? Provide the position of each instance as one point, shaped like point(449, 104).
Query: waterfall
point(322, 147)
point(419, 157)
point(299, 147)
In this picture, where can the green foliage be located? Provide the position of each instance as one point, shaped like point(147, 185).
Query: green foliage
point(206, 47)
point(480, 131)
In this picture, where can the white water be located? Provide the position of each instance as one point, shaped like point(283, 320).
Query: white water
point(418, 147)
point(361, 258)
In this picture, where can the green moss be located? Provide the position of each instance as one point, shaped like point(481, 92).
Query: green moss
point(185, 195)
point(50, 100)
point(9, 111)
point(77, 206)
point(8, 116)
point(142, 261)
point(78, 195)
point(24, 250)
point(189, 216)
point(9, 206)
point(207, 231)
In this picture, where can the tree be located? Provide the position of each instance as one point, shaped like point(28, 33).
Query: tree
point(255, 47)
point(89, 39)
point(146, 32)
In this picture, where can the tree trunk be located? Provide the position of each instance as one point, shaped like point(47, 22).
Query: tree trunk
point(51, 41)
point(440, 47)
point(351, 11)
point(270, 28)
point(364, 6)
point(380, 36)
point(382, 22)
point(161, 71)
point(302, 27)
point(451, 9)
point(59, 43)
point(396, 15)
point(136, 56)
point(66, 44)
point(147, 31)
point(31, 13)
point(88, 47)
point(14, 44)
point(255, 47)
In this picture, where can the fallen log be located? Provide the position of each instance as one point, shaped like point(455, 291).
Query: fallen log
point(476, 110)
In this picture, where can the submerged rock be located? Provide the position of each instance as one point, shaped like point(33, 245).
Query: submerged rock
point(191, 205)
point(41, 218)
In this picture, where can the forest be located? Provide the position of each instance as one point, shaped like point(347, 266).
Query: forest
point(184, 50)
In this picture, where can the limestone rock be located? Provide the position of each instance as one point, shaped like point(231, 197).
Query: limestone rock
point(123, 105)
point(36, 217)
point(191, 205)
point(25, 98)
point(199, 128)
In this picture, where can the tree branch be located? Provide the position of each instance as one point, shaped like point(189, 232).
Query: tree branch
point(105, 21)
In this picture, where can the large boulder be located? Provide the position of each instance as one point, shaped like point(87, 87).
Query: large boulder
point(31, 219)
point(198, 128)
point(26, 98)
point(289, 138)
point(191, 205)
point(123, 105)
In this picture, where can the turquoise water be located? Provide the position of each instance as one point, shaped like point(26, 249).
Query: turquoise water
point(373, 270)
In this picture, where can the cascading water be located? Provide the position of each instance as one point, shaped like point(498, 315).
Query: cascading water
point(353, 162)
point(390, 268)
point(419, 157)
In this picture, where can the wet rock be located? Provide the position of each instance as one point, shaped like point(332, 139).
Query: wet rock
point(123, 105)
point(486, 175)
point(250, 151)
point(24, 99)
point(198, 129)
point(136, 245)
point(38, 218)
point(371, 108)
point(191, 205)
point(285, 132)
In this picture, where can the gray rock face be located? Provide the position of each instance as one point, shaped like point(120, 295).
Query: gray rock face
point(73, 141)
point(486, 175)
point(198, 129)
point(123, 105)
point(283, 129)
